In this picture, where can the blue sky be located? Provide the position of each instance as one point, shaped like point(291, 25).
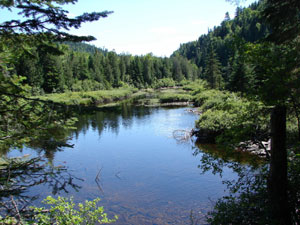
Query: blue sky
point(139, 27)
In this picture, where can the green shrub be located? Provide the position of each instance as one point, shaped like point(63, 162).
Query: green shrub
point(165, 98)
point(63, 211)
point(238, 119)
point(165, 82)
point(89, 97)
point(196, 86)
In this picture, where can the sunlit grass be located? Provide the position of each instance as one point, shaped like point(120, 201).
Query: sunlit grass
point(170, 95)
point(175, 97)
point(90, 97)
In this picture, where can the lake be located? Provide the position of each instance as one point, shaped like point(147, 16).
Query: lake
point(127, 155)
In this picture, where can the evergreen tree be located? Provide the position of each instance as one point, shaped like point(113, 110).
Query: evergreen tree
point(239, 79)
point(158, 68)
point(122, 66)
point(148, 70)
point(52, 69)
point(167, 68)
point(212, 72)
point(108, 73)
point(96, 70)
point(43, 23)
point(177, 74)
point(38, 14)
point(136, 72)
point(83, 68)
point(29, 67)
point(68, 73)
point(113, 61)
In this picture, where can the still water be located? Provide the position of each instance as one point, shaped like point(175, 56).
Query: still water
point(129, 158)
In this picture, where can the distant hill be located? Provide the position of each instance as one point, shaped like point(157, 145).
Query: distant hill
point(220, 54)
point(246, 25)
point(84, 47)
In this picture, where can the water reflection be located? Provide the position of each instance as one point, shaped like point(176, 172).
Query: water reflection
point(21, 176)
point(145, 175)
point(214, 158)
point(47, 144)
point(111, 118)
point(246, 189)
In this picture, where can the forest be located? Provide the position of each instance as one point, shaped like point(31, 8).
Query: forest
point(243, 76)
point(216, 57)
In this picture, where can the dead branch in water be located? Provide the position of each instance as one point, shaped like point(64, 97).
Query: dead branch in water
point(98, 181)
point(182, 135)
point(117, 175)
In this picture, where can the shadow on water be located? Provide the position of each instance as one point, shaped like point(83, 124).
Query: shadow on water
point(22, 174)
point(214, 158)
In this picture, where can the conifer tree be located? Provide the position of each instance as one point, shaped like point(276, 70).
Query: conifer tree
point(239, 79)
point(212, 71)
point(43, 23)
point(148, 70)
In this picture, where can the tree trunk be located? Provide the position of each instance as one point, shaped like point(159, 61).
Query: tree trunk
point(277, 184)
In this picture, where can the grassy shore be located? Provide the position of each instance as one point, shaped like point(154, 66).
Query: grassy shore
point(151, 97)
point(164, 97)
point(91, 97)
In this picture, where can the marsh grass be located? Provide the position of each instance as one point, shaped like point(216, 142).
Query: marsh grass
point(90, 97)
point(174, 95)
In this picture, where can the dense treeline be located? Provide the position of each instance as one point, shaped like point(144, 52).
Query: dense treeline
point(84, 47)
point(220, 53)
point(82, 67)
point(217, 57)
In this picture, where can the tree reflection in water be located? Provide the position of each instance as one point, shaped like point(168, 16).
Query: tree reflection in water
point(18, 175)
point(247, 195)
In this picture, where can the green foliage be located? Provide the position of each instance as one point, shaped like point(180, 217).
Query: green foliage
point(283, 17)
point(275, 68)
point(10, 221)
point(169, 97)
point(248, 206)
point(248, 202)
point(19, 174)
point(212, 71)
point(215, 53)
point(43, 20)
point(24, 119)
point(237, 118)
point(240, 76)
point(196, 86)
point(63, 211)
point(165, 82)
point(89, 97)
point(275, 64)
point(86, 71)
point(86, 85)
point(84, 47)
